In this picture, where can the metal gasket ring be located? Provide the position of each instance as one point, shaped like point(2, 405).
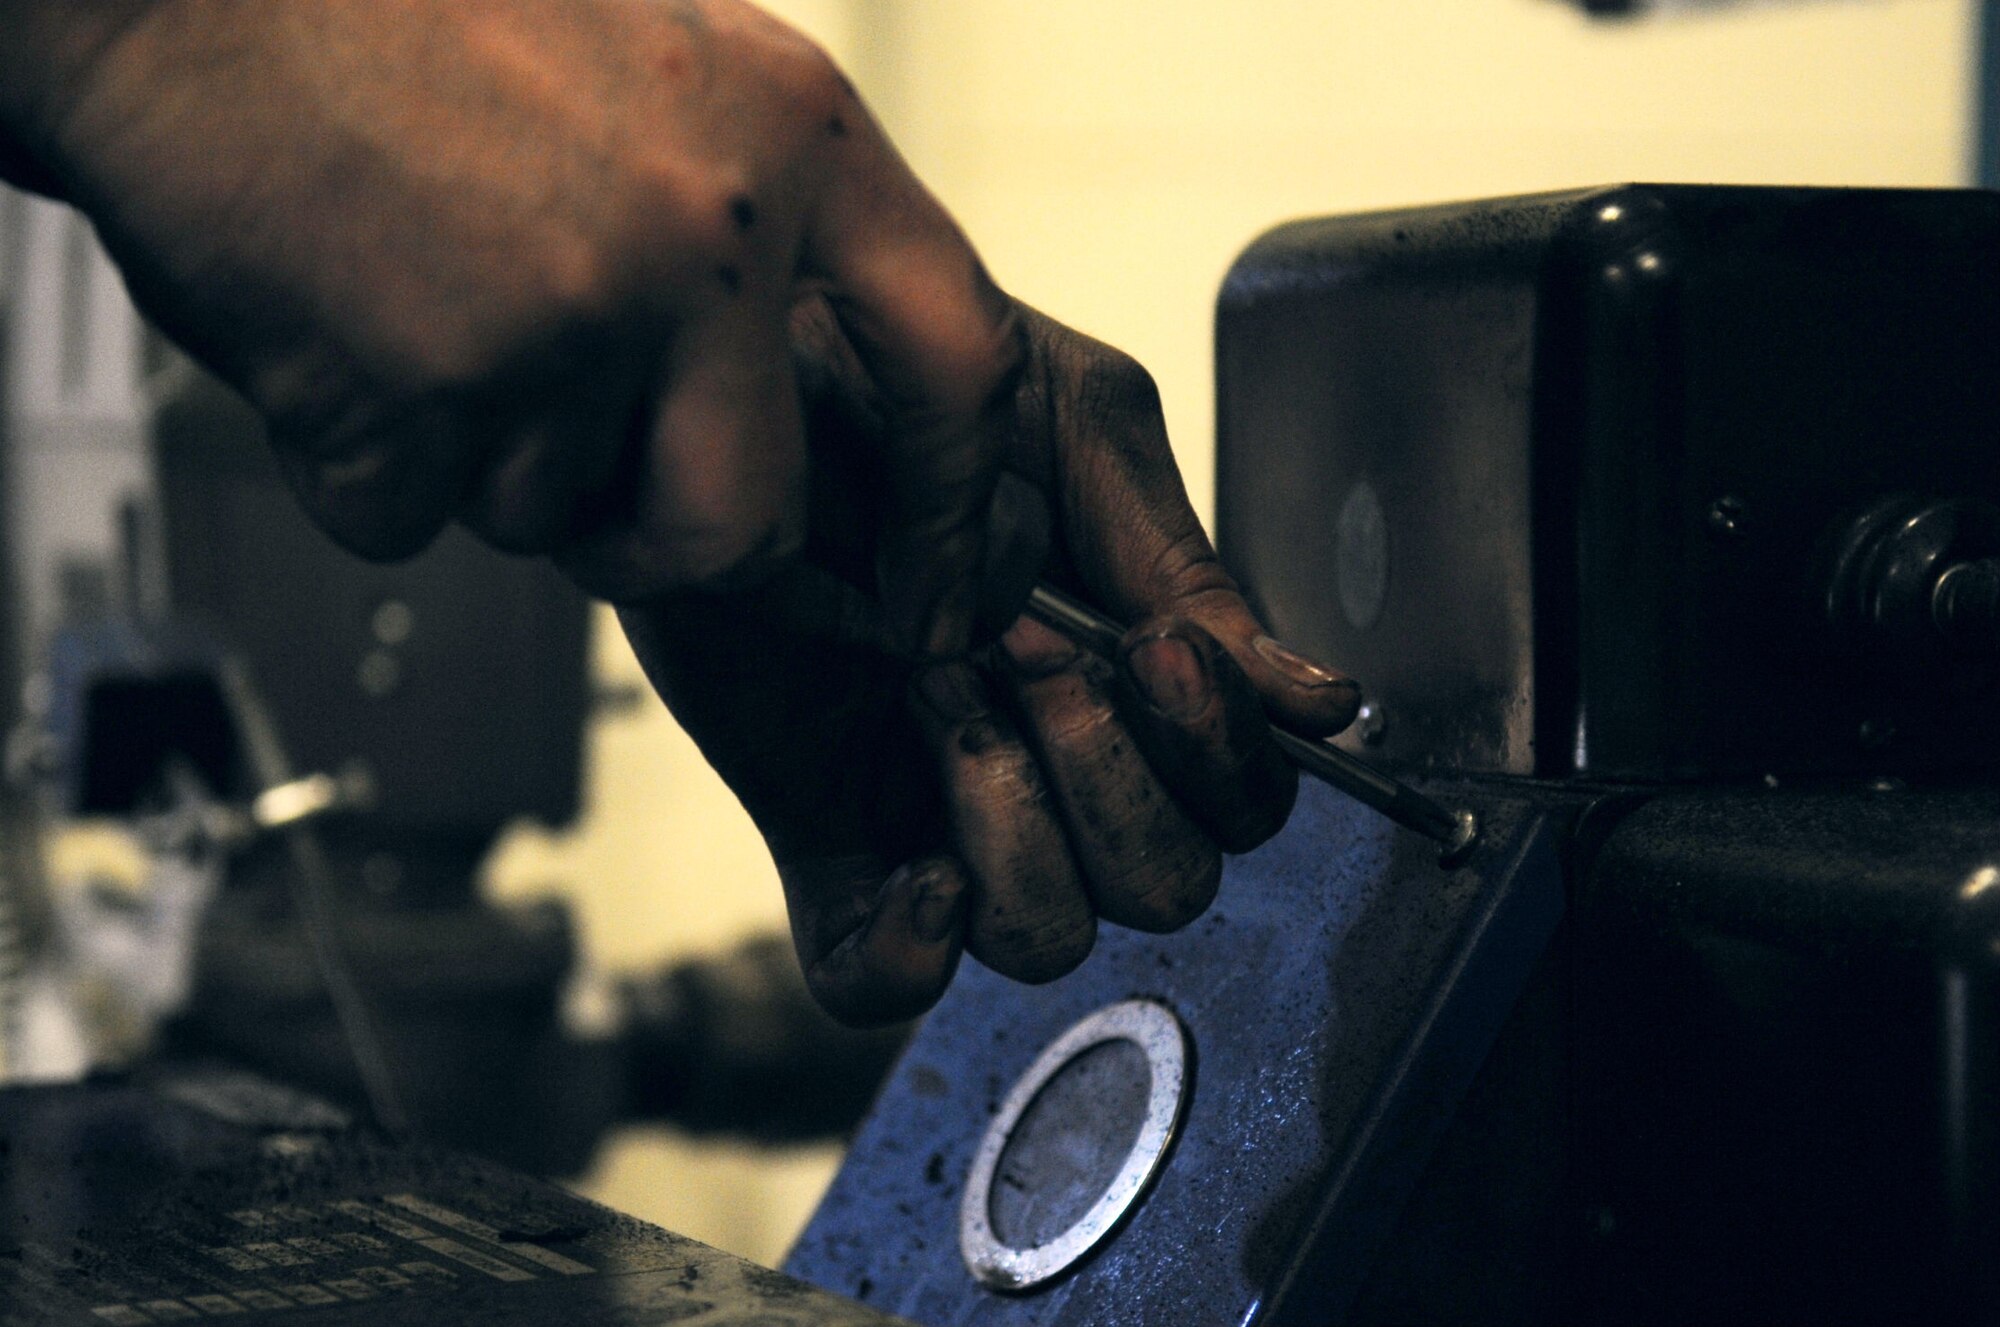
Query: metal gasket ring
point(1158, 1034)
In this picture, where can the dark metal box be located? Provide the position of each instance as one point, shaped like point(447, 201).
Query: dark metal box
point(1558, 477)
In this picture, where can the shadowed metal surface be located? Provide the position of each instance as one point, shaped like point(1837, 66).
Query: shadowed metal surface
point(1337, 998)
point(219, 1196)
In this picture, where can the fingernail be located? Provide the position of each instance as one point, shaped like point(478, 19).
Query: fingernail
point(950, 691)
point(1171, 674)
point(1298, 668)
point(935, 910)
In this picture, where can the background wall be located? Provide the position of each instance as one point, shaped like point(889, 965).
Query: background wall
point(1110, 157)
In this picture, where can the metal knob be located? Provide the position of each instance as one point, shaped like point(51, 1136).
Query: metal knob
point(1915, 582)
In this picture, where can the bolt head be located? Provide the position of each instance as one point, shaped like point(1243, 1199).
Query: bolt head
point(1370, 724)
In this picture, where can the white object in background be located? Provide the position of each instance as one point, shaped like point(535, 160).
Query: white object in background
point(76, 474)
point(76, 427)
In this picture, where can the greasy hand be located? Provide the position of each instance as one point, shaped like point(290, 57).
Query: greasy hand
point(528, 264)
point(575, 273)
point(1003, 803)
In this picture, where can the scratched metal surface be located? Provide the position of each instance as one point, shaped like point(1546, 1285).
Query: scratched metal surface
point(124, 1204)
point(1299, 988)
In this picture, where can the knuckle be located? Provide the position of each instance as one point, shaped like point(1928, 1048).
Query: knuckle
point(1189, 574)
point(994, 346)
point(968, 382)
point(1081, 726)
point(577, 280)
point(1004, 779)
point(791, 64)
point(808, 75)
point(682, 203)
point(1113, 385)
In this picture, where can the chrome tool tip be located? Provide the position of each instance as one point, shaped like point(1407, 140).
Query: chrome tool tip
point(1463, 840)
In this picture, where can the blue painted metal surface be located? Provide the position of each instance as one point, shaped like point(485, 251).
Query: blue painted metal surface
point(1339, 996)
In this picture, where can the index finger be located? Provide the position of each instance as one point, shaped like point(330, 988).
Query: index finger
point(944, 347)
point(1134, 539)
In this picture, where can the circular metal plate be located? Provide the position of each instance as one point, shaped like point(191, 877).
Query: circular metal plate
point(1026, 1251)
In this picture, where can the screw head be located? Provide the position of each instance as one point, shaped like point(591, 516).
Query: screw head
point(1370, 724)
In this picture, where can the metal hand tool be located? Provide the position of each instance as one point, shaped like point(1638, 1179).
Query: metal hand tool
point(1455, 830)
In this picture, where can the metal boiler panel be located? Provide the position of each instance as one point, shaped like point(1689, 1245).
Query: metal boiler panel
point(1562, 478)
point(1662, 526)
point(1337, 1001)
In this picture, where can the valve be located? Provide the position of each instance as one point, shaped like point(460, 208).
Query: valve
point(1915, 582)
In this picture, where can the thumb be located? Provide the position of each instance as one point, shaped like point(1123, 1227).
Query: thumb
point(882, 961)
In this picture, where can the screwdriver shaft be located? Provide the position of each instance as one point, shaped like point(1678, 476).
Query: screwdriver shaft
point(1403, 804)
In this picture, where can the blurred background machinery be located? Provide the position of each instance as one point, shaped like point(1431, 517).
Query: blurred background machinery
point(1669, 520)
point(1061, 140)
point(303, 749)
point(1667, 514)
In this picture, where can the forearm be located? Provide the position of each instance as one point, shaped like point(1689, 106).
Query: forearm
point(47, 48)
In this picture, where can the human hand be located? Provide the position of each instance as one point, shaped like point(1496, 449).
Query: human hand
point(537, 266)
point(528, 264)
point(1003, 802)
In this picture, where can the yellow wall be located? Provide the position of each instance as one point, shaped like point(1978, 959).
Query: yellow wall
point(1110, 157)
